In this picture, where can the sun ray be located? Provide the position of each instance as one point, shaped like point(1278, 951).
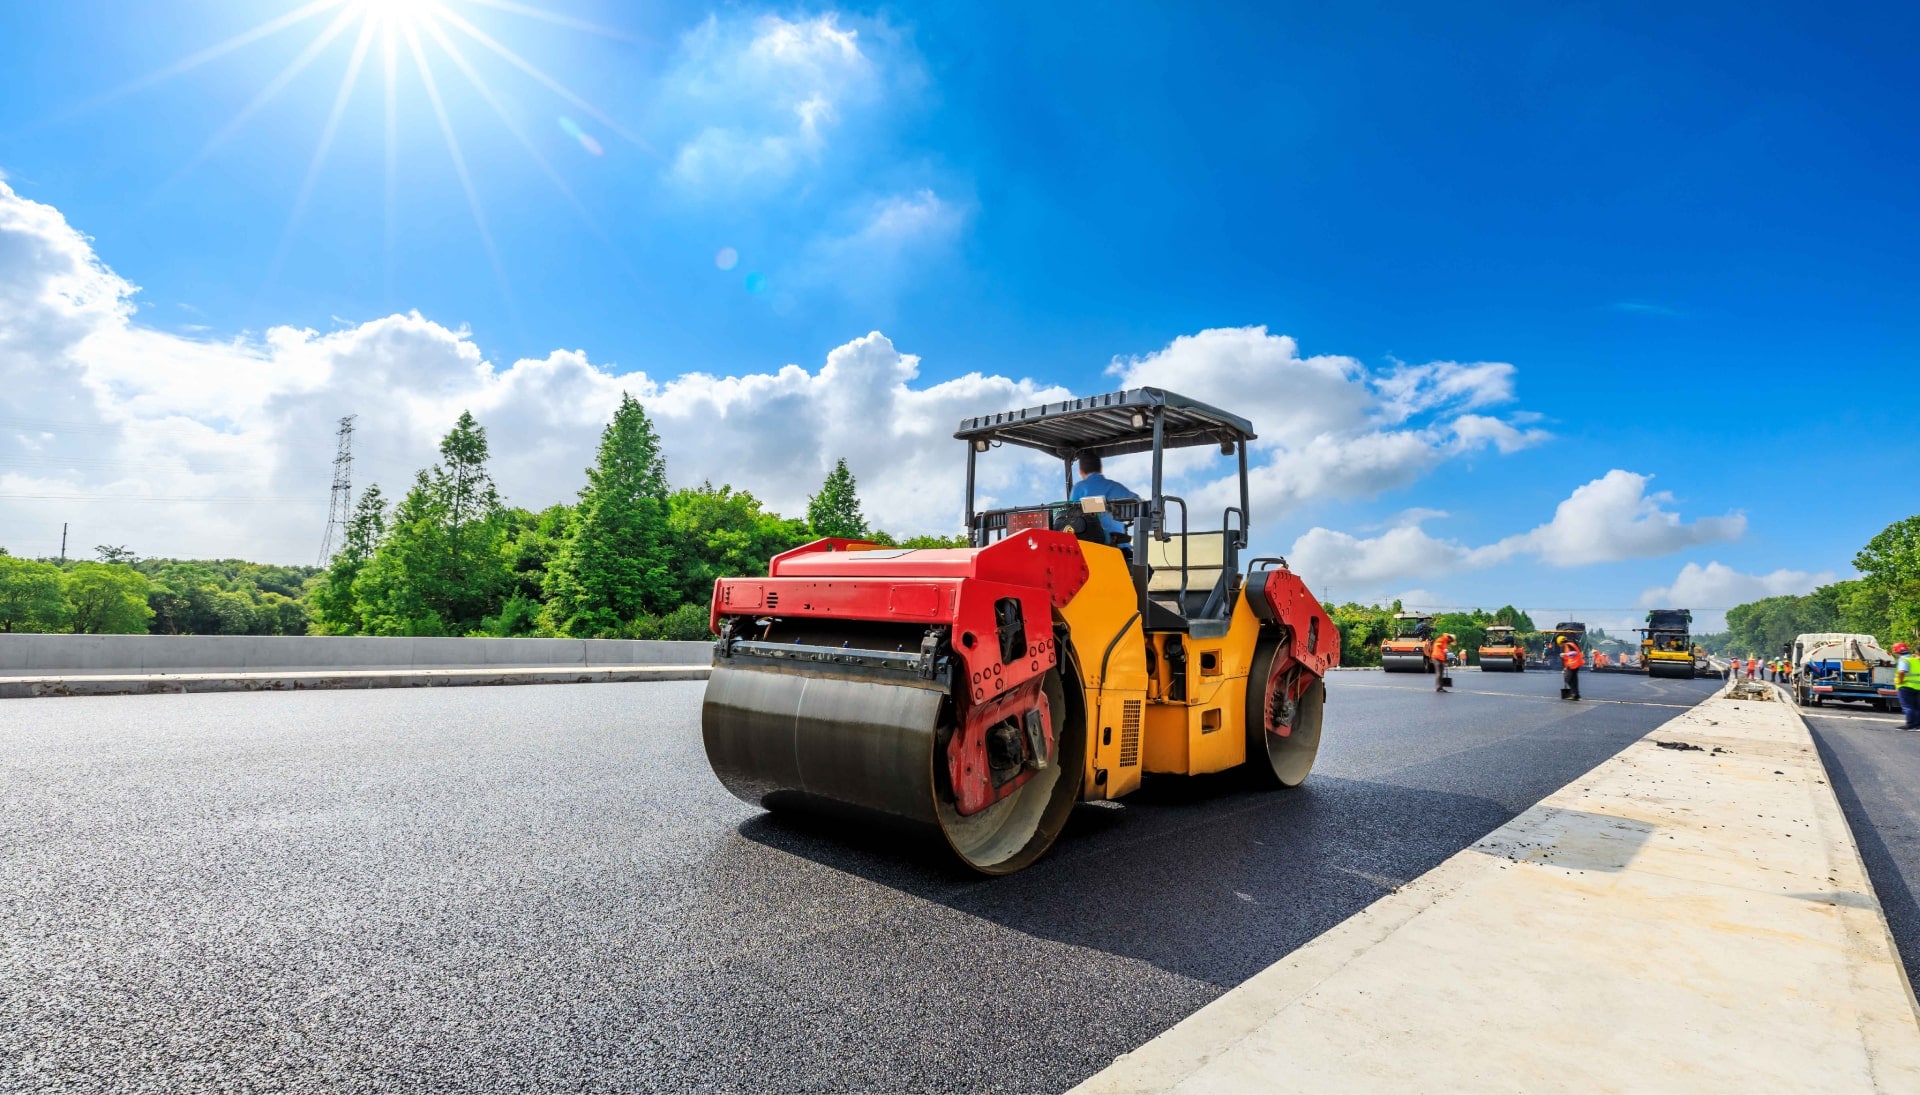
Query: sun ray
point(266, 94)
point(506, 118)
point(459, 163)
point(519, 134)
point(391, 194)
point(195, 60)
point(348, 81)
point(548, 82)
point(554, 17)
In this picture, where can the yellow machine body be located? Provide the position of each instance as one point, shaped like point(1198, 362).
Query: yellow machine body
point(1141, 716)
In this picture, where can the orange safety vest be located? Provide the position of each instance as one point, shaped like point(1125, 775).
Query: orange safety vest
point(1571, 658)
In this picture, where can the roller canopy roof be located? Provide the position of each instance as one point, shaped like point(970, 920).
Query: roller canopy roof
point(1103, 424)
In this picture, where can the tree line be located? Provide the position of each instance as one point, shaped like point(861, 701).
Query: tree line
point(1883, 602)
point(632, 557)
point(635, 557)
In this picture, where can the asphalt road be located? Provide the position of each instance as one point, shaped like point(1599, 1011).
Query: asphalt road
point(492, 888)
point(1875, 768)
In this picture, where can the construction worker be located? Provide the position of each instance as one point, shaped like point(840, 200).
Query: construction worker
point(1092, 481)
point(1906, 685)
point(1753, 663)
point(1440, 646)
point(1570, 662)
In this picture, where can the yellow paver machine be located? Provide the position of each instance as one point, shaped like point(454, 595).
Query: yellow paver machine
point(1666, 650)
point(981, 691)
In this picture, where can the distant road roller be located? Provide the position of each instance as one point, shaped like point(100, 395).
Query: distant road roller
point(1502, 652)
point(980, 692)
point(1666, 649)
point(1410, 649)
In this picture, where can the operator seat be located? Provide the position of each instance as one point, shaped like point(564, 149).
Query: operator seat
point(1197, 562)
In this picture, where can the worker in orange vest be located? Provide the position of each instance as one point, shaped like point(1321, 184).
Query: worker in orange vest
point(1753, 663)
point(1570, 662)
point(1440, 646)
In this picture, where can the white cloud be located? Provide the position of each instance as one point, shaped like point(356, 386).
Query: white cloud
point(1329, 427)
point(1473, 431)
point(767, 94)
point(1394, 556)
point(1712, 589)
point(1614, 518)
point(101, 405)
point(1607, 520)
point(887, 240)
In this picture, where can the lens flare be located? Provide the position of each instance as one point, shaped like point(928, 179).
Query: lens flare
point(726, 258)
point(572, 129)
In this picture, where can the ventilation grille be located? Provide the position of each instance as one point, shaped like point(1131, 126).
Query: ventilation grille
point(1130, 734)
point(773, 599)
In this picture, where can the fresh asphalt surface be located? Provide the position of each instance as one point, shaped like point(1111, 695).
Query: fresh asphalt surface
point(1875, 767)
point(487, 888)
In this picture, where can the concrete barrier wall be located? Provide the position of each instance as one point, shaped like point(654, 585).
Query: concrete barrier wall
point(46, 655)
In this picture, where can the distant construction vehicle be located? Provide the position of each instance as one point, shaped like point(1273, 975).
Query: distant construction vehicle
point(1574, 632)
point(1502, 652)
point(1666, 648)
point(1851, 668)
point(1411, 649)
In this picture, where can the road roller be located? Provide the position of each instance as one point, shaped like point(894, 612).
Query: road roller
point(1502, 652)
point(1410, 649)
point(977, 694)
point(1666, 649)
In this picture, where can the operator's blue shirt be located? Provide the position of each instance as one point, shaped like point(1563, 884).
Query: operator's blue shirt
point(1097, 484)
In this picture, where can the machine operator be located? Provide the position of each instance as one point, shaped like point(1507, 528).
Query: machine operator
point(1093, 483)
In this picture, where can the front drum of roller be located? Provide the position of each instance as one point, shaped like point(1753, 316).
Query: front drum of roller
point(788, 739)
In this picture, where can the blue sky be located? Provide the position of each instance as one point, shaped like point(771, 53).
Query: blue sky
point(1583, 302)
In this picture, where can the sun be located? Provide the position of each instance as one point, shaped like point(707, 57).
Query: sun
point(386, 35)
point(396, 13)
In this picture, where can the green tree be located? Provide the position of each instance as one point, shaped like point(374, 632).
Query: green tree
point(109, 553)
point(719, 532)
point(1362, 628)
point(1890, 567)
point(616, 564)
point(835, 511)
point(439, 570)
point(1768, 626)
point(33, 595)
point(533, 542)
point(1514, 618)
point(336, 607)
point(958, 540)
point(530, 544)
point(107, 599)
point(1469, 628)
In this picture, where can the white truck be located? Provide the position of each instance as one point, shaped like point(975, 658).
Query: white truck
point(1834, 665)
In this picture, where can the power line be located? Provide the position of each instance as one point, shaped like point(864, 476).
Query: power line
point(340, 506)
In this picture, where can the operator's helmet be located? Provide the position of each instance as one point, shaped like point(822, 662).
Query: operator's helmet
point(1899, 648)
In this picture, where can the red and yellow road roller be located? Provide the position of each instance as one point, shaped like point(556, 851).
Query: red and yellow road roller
point(980, 692)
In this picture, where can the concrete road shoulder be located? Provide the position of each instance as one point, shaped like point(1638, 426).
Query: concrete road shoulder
point(1690, 915)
